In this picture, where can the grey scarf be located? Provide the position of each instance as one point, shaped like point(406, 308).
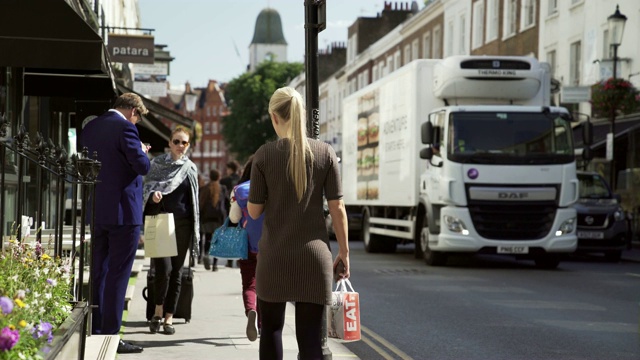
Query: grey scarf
point(166, 175)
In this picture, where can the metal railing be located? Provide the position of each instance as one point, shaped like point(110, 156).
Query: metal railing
point(53, 169)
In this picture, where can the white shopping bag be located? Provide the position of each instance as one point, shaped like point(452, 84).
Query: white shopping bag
point(160, 236)
point(343, 315)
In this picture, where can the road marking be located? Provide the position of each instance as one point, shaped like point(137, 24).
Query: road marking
point(376, 348)
point(385, 343)
point(632, 274)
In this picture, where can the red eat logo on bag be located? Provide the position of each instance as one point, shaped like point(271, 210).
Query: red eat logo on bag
point(351, 312)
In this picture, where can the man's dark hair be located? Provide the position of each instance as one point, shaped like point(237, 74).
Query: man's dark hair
point(233, 165)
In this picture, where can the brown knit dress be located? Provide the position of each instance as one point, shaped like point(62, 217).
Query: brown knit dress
point(294, 259)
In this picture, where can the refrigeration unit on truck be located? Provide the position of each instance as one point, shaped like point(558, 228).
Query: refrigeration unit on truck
point(497, 174)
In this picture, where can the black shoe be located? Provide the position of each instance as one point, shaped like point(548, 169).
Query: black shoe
point(154, 325)
point(128, 348)
point(207, 262)
point(229, 263)
point(169, 329)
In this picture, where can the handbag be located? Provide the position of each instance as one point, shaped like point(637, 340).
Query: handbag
point(229, 242)
point(160, 236)
point(343, 315)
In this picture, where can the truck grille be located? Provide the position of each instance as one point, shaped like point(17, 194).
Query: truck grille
point(595, 221)
point(513, 220)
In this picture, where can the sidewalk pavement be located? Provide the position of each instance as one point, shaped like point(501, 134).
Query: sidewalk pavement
point(217, 327)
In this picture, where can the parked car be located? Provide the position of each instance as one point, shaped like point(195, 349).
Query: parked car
point(603, 226)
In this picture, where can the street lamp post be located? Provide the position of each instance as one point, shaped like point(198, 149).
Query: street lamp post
point(616, 28)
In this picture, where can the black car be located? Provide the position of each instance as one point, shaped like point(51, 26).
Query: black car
point(603, 226)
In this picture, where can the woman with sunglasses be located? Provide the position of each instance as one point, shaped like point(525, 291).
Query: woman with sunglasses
point(172, 186)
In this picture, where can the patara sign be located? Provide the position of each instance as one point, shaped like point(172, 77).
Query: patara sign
point(137, 49)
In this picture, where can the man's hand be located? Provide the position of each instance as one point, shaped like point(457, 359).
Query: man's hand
point(145, 147)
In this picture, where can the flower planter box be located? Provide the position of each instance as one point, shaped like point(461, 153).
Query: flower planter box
point(70, 338)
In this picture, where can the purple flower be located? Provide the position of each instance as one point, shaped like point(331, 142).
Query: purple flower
point(43, 329)
point(8, 338)
point(6, 305)
point(52, 282)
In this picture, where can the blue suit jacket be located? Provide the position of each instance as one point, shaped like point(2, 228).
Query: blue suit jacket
point(119, 191)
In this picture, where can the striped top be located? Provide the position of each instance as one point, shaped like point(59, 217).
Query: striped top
point(294, 259)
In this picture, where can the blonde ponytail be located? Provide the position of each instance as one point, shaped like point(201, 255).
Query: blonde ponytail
point(287, 104)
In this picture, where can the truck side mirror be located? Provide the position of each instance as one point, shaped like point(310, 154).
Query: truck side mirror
point(426, 153)
point(587, 133)
point(426, 133)
point(587, 153)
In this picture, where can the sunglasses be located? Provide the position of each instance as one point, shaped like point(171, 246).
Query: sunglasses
point(178, 142)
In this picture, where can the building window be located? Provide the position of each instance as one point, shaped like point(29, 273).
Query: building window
point(573, 2)
point(528, 13)
point(214, 146)
point(415, 48)
point(478, 24)
point(449, 45)
point(207, 129)
point(551, 59)
point(214, 112)
point(606, 48)
point(214, 128)
point(553, 7)
point(207, 146)
point(437, 43)
point(407, 55)
point(390, 64)
point(462, 47)
point(426, 47)
point(575, 59)
point(510, 18)
point(396, 59)
point(208, 111)
point(352, 45)
point(493, 19)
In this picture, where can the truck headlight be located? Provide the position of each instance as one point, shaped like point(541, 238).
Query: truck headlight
point(566, 227)
point(455, 225)
point(618, 215)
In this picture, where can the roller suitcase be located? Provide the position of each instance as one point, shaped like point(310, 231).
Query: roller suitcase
point(183, 309)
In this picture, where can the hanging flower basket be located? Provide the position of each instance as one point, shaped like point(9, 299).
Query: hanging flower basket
point(614, 95)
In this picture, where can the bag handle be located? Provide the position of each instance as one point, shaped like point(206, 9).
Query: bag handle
point(343, 285)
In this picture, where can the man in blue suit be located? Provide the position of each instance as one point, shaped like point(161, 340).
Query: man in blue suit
point(118, 209)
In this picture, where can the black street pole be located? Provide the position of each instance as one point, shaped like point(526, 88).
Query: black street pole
point(311, 30)
point(314, 22)
point(612, 128)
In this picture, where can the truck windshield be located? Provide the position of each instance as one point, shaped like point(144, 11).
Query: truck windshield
point(509, 138)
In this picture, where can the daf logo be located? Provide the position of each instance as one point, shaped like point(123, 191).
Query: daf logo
point(495, 64)
point(513, 195)
point(588, 220)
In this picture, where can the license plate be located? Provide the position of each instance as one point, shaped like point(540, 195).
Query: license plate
point(590, 235)
point(513, 249)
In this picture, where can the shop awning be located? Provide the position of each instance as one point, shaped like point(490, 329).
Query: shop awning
point(49, 34)
point(601, 129)
point(161, 111)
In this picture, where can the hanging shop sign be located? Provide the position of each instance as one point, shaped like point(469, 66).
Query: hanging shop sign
point(137, 49)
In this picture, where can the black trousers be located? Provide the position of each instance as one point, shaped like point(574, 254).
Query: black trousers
point(308, 330)
point(169, 269)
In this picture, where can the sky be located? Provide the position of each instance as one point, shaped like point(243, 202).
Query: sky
point(209, 39)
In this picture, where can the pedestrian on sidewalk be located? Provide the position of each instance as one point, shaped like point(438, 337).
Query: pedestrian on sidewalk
point(288, 180)
point(172, 186)
point(229, 181)
point(238, 214)
point(213, 212)
point(118, 209)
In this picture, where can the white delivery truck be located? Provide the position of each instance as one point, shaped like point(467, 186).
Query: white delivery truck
point(497, 174)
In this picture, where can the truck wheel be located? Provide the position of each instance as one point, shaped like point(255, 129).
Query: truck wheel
point(432, 258)
point(417, 237)
point(547, 261)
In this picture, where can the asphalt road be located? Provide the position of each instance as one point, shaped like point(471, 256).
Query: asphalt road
point(492, 307)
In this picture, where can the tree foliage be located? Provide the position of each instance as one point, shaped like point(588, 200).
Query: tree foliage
point(611, 95)
point(248, 126)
